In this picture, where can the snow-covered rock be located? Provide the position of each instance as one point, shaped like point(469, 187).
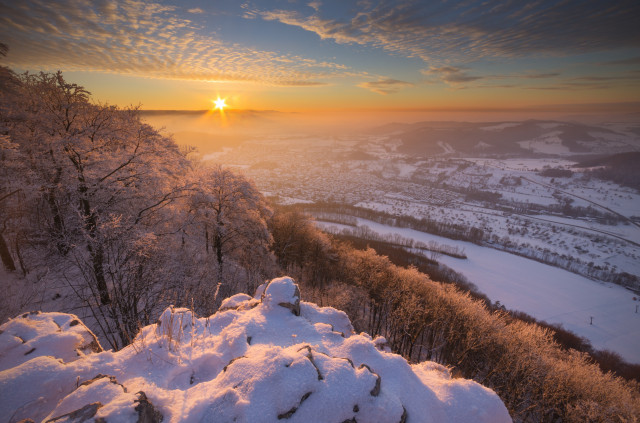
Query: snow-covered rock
point(282, 292)
point(253, 361)
point(36, 334)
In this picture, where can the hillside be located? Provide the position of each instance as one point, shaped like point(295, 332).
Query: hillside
point(529, 138)
point(260, 359)
point(621, 168)
point(109, 219)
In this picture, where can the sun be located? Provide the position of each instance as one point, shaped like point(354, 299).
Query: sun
point(220, 104)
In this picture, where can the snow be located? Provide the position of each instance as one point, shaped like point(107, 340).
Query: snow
point(547, 144)
point(556, 296)
point(546, 292)
point(236, 301)
point(446, 147)
point(500, 126)
point(281, 290)
point(520, 164)
point(527, 197)
point(216, 155)
point(292, 200)
point(605, 244)
point(36, 334)
point(626, 231)
point(405, 170)
point(254, 361)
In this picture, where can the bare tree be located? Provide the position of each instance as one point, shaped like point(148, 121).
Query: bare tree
point(105, 183)
point(229, 216)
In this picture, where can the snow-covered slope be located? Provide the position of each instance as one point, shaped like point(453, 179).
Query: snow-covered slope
point(263, 359)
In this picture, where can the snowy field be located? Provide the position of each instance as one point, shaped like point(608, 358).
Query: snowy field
point(545, 292)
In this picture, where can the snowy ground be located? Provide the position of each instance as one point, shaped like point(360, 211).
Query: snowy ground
point(263, 359)
point(545, 292)
point(529, 217)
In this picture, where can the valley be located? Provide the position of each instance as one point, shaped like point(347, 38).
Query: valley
point(542, 233)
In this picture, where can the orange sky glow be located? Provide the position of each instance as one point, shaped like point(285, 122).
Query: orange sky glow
point(335, 56)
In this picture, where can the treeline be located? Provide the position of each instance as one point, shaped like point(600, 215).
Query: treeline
point(538, 380)
point(364, 232)
point(607, 360)
point(477, 236)
point(107, 216)
point(400, 256)
point(447, 230)
point(556, 172)
point(563, 208)
point(620, 168)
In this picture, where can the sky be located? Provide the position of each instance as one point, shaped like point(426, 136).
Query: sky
point(342, 55)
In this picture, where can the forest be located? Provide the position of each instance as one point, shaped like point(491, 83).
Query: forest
point(109, 211)
point(114, 222)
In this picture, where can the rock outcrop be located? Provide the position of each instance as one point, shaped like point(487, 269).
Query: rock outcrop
point(267, 358)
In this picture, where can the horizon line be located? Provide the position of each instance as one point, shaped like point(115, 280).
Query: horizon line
point(626, 107)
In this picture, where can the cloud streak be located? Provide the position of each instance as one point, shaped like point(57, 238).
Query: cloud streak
point(452, 75)
point(633, 61)
point(472, 30)
point(385, 86)
point(143, 38)
point(443, 38)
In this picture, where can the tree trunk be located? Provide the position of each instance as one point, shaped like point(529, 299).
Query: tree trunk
point(97, 253)
point(217, 244)
point(97, 256)
point(58, 225)
point(206, 238)
point(5, 254)
point(23, 266)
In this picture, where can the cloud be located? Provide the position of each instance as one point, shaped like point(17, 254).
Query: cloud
point(298, 83)
point(315, 5)
point(196, 10)
point(143, 38)
point(451, 75)
point(608, 78)
point(324, 28)
point(592, 82)
point(459, 77)
point(540, 75)
point(571, 86)
point(475, 29)
point(631, 61)
point(385, 86)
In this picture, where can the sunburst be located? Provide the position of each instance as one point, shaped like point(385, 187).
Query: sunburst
point(220, 104)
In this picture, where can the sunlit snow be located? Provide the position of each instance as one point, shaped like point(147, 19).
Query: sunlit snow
point(261, 359)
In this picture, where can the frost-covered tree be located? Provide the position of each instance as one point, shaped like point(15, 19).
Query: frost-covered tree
point(9, 192)
point(102, 184)
point(9, 155)
point(299, 244)
point(229, 218)
point(116, 212)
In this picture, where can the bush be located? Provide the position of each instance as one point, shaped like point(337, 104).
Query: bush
point(556, 173)
point(538, 379)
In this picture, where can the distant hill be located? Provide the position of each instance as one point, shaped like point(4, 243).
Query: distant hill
point(247, 112)
point(626, 160)
point(620, 168)
point(521, 138)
